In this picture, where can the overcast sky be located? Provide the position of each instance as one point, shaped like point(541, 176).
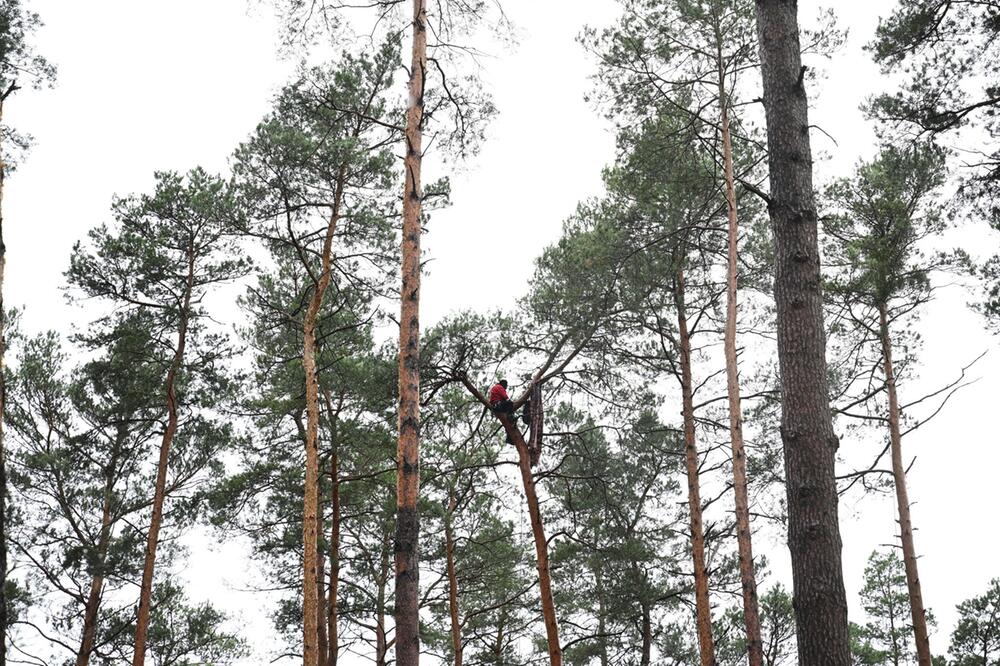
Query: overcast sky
point(147, 86)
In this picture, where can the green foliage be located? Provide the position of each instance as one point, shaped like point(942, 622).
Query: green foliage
point(976, 638)
point(887, 636)
point(777, 619)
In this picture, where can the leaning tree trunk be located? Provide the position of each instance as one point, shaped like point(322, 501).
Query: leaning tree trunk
point(93, 603)
point(407, 611)
point(310, 508)
point(902, 499)
point(703, 609)
point(751, 613)
point(807, 432)
point(159, 494)
point(453, 612)
point(541, 544)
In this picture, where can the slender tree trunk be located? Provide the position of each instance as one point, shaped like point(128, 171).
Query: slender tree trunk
point(902, 499)
point(407, 546)
point(159, 495)
point(751, 613)
point(310, 509)
point(602, 623)
point(647, 636)
point(3, 418)
point(332, 618)
point(703, 608)
point(449, 546)
point(381, 644)
point(807, 432)
point(93, 604)
point(541, 544)
point(321, 615)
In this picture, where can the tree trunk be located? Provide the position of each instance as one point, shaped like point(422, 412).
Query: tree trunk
point(310, 509)
point(408, 456)
point(902, 499)
point(381, 644)
point(807, 432)
point(333, 633)
point(449, 546)
point(93, 604)
point(541, 544)
point(751, 613)
point(159, 495)
point(703, 609)
point(647, 636)
point(3, 418)
point(602, 623)
point(321, 615)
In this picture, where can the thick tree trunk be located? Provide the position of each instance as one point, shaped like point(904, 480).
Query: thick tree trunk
point(3, 418)
point(407, 546)
point(902, 499)
point(541, 544)
point(703, 608)
point(449, 547)
point(751, 613)
point(807, 432)
point(159, 495)
point(93, 604)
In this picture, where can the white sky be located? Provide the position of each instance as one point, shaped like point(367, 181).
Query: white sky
point(154, 85)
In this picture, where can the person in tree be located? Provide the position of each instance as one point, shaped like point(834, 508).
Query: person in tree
point(499, 400)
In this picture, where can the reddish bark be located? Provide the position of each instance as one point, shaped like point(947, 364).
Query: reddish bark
point(703, 609)
point(902, 499)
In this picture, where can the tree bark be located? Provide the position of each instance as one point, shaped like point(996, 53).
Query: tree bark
point(381, 644)
point(322, 643)
point(541, 544)
point(647, 636)
point(902, 499)
point(748, 580)
point(332, 618)
point(703, 608)
point(159, 495)
point(407, 547)
point(807, 432)
point(310, 509)
point(93, 604)
point(449, 546)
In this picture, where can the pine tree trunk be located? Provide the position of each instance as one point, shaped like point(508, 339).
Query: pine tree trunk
point(333, 632)
point(159, 495)
point(807, 432)
point(3, 419)
point(902, 499)
point(647, 636)
point(456, 627)
point(602, 623)
point(93, 604)
point(541, 544)
point(703, 609)
point(407, 547)
point(311, 578)
point(321, 615)
point(751, 613)
point(381, 645)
